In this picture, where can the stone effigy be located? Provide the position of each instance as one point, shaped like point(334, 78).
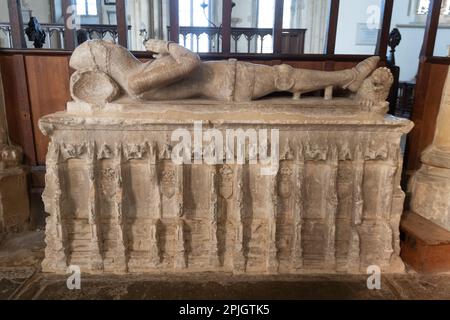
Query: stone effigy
point(106, 72)
point(14, 203)
point(149, 169)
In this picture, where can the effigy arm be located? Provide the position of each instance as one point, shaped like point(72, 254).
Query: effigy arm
point(173, 63)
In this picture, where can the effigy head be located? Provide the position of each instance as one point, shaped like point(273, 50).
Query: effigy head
point(83, 57)
point(93, 86)
point(91, 83)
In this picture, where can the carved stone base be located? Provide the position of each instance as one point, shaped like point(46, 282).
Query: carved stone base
point(430, 186)
point(14, 203)
point(430, 194)
point(333, 205)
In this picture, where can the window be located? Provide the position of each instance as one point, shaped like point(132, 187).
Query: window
point(447, 9)
point(423, 6)
point(198, 19)
point(312, 17)
point(194, 13)
point(147, 20)
point(359, 24)
point(87, 7)
point(266, 19)
point(252, 23)
point(442, 43)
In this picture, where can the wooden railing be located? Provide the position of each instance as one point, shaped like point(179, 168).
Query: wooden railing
point(50, 30)
point(93, 31)
point(293, 40)
point(406, 92)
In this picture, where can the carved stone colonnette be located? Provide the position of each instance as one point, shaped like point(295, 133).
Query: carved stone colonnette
point(118, 204)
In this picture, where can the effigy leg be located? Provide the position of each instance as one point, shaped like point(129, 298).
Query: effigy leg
point(300, 81)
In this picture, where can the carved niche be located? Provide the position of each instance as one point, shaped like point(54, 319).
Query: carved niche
point(226, 182)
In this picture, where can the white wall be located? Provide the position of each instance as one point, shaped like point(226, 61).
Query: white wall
point(352, 13)
point(407, 54)
point(442, 47)
point(4, 15)
point(41, 9)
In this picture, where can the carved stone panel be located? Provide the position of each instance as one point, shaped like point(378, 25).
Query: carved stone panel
point(118, 203)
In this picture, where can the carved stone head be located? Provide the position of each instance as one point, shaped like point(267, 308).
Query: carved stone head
point(83, 58)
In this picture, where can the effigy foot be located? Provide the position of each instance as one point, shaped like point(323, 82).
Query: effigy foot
point(362, 71)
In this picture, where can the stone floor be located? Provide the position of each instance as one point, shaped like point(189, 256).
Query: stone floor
point(20, 256)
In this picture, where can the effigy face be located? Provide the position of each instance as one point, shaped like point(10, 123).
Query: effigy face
point(238, 184)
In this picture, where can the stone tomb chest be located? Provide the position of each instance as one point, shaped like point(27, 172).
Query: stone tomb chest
point(118, 203)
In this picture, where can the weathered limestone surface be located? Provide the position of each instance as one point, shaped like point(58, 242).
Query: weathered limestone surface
point(117, 202)
point(430, 186)
point(120, 202)
point(106, 72)
point(14, 204)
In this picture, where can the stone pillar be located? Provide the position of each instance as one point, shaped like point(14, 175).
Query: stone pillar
point(14, 203)
point(430, 186)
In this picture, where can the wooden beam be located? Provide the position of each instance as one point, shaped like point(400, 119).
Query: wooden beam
point(122, 25)
point(161, 26)
point(332, 27)
point(278, 27)
point(383, 35)
point(431, 28)
point(16, 22)
point(68, 8)
point(174, 21)
point(227, 8)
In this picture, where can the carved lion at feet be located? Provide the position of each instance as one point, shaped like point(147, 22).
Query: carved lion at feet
point(375, 89)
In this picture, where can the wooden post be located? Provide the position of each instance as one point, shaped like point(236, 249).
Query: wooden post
point(122, 25)
point(16, 21)
point(332, 27)
point(383, 35)
point(227, 8)
point(69, 30)
point(431, 28)
point(174, 21)
point(278, 27)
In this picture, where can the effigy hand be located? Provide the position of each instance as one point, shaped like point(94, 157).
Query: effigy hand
point(159, 48)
